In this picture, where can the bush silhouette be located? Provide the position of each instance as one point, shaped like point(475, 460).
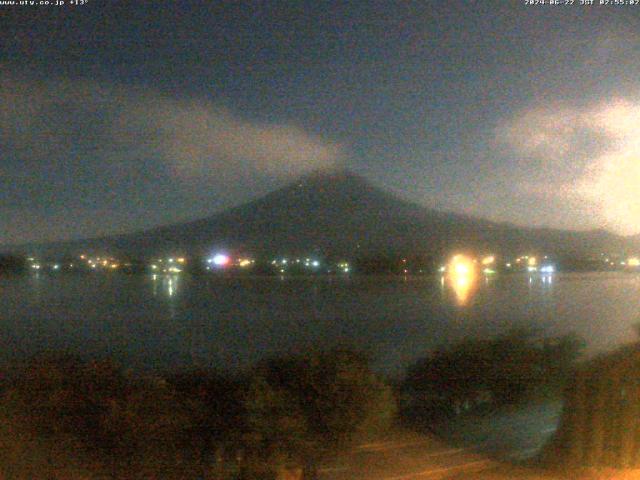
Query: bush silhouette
point(62, 417)
point(493, 372)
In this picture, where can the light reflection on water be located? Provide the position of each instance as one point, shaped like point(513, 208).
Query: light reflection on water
point(461, 286)
point(182, 320)
point(165, 285)
point(462, 278)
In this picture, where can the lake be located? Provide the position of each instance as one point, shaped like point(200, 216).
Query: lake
point(161, 323)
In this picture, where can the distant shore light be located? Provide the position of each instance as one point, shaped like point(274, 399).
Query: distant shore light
point(221, 259)
point(488, 260)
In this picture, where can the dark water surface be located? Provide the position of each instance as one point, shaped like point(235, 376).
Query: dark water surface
point(184, 321)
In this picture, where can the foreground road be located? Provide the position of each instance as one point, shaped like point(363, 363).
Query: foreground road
point(409, 456)
point(512, 435)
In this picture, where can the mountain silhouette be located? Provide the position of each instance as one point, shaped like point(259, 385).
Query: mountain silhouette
point(341, 213)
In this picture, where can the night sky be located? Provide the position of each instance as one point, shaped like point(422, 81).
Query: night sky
point(117, 116)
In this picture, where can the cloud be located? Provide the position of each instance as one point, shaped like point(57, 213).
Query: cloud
point(193, 138)
point(135, 157)
point(540, 132)
point(202, 140)
point(589, 154)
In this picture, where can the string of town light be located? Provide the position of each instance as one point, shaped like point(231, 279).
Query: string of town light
point(179, 264)
point(461, 271)
point(457, 264)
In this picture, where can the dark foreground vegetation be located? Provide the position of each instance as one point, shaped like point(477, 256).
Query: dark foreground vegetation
point(62, 417)
point(478, 376)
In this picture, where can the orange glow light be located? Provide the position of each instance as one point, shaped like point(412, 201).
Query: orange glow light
point(462, 277)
